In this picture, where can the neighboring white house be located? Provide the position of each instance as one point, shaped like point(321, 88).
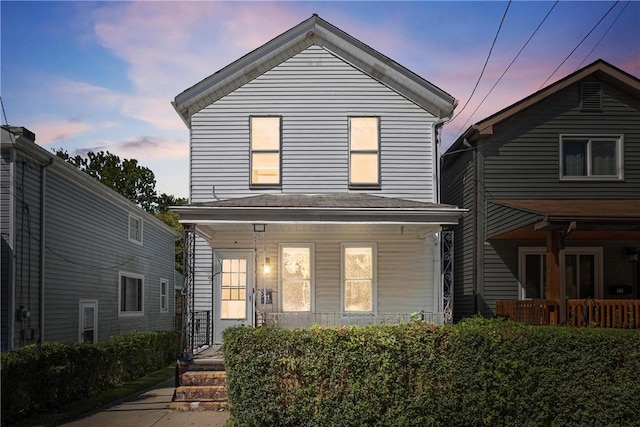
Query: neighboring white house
point(80, 262)
point(313, 187)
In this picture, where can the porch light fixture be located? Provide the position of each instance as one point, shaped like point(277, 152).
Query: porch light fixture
point(267, 266)
point(632, 254)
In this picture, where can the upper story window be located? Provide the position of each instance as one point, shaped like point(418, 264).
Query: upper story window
point(364, 151)
point(265, 151)
point(584, 157)
point(296, 276)
point(135, 229)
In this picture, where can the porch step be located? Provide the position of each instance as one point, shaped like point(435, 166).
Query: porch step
point(201, 389)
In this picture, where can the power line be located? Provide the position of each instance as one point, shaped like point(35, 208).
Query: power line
point(507, 69)
point(603, 36)
point(578, 45)
point(485, 63)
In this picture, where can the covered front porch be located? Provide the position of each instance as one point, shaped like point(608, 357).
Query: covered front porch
point(328, 260)
point(577, 264)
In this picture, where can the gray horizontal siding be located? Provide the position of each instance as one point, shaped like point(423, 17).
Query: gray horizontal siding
point(503, 219)
point(315, 92)
point(87, 247)
point(6, 192)
point(522, 158)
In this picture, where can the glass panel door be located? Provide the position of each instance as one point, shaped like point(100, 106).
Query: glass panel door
point(233, 289)
point(88, 328)
point(580, 275)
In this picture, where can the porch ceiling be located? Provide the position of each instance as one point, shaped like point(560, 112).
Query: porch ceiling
point(580, 219)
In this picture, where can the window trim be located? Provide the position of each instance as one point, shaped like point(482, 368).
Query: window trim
point(141, 222)
point(253, 185)
point(619, 157)
point(96, 322)
point(121, 313)
point(312, 273)
point(165, 296)
point(596, 251)
point(374, 278)
point(377, 151)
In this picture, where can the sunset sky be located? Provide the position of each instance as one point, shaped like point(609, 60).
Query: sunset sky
point(88, 75)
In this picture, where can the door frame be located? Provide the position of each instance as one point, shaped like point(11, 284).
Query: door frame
point(219, 325)
point(81, 305)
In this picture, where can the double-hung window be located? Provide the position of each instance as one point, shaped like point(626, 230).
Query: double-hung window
point(359, 277)
point(135, 229)
point(585, 157)
point(164, 295)
point(296, 276)
point(364, 151)
point(265, 150)
point(131, 294)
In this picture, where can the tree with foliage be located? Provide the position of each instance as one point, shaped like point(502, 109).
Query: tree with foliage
point(135, 182)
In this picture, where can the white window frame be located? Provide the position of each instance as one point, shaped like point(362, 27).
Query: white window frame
point(121, 313)
point(164, 298)
point(352, 151)
point(597, 252)
point(82, 302)
point(619, 139)
point(252, 151)
point(312, 258)
point(374, 279)
point(139, 220)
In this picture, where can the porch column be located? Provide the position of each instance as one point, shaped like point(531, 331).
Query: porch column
point(553, 278)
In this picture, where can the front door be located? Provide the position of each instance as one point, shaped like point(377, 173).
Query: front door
point(233, 290)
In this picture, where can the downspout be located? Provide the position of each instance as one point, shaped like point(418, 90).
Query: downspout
point(43, 184)
point(438, 283)
point(11, 320)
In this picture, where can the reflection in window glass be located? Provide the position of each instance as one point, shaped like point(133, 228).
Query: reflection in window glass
point(358, 278)
point(296, 278)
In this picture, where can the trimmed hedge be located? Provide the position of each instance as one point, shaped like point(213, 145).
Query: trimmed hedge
point(476, 373)
point(42, 378)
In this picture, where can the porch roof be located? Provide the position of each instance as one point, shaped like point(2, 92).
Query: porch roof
point(319, 208)
point(570, 215)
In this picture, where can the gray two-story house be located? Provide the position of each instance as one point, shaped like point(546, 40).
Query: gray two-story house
point(552, 188)
point(313, 187)
point(80, 262)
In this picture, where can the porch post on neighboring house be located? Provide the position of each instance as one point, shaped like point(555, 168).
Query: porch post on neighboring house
point(553, 278)
point(188, 266)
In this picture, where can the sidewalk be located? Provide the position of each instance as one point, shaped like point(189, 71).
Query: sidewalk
point(150, 408)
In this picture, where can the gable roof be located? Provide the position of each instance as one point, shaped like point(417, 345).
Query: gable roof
point(314, 31)
point(23, 140)
point(600, 69)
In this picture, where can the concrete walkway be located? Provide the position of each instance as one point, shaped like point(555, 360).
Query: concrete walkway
point(151, 408)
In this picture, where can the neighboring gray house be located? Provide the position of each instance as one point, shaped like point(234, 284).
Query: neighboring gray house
point(80, 263)
point(552, 185)
point(314, 187)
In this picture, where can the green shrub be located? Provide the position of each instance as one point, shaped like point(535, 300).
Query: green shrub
point(41, 378)
point(476, 373)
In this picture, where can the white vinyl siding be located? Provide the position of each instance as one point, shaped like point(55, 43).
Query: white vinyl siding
point(405, 273)
point(314, 92)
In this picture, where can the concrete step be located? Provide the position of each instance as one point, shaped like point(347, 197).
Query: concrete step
point(199, 406)
point(202, 378)
point(207, 393)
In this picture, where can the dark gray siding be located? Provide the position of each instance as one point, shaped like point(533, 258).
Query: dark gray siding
point(87, 248)
point(27, 249)
point(522, 158)
point(457, 189)
point(6, 192)
point(521, 161)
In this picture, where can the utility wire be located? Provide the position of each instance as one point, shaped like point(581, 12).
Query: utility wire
point(507, 69)
point(4, 114)
point(579, 44)
point(485, 63)
point(603, 36)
